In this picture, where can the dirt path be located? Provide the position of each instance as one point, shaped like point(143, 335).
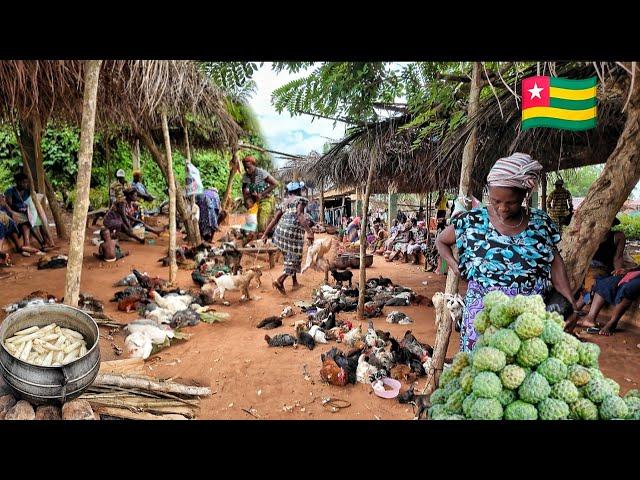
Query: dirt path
point(233, 358)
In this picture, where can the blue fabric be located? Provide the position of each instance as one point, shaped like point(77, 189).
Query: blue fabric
point(521, 261)
point(209, 205)
point(17, 201)
point(613, 294)
point(140, 188)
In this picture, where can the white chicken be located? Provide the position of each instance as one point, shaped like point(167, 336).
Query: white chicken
point(353, 336)
point(160, 315)
point(371, 339)
point(139, 345)
point(155, 332)
point(317, 334)
point(173, 303)
point(364, 370)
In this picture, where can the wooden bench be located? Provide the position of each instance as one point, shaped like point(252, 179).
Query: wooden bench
point(271, 251)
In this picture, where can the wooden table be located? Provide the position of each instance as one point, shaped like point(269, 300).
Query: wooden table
point(271, 251)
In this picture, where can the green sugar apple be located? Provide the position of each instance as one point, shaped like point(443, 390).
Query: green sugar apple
point(520, 410)
point(553, 370)
point(460, 361)
point(454, 402)
point(566, 391)
point(596, 390)
point(494, 298)
point(486, 409)
point(447, 376)
point(438, 396)
point(588, 354)
point(506, 397)
point(501, 315)
point(578, 375)
point(467, 404)
point(565, 352)
point(487, 385)
point(532, 352)
point(451, 387)
point(466, 381)
point(595, 373)
point(613, 407)
point(481, 322)
point(633, 405)
point(613, 386)
point(489, 358)
point(480, 342)
point(584, 409)
point(528, 325)
point(528, 304)
point(553, 409)
point(534, 388)
point(437, 411)
point(556, 318)
point(634, 392)
point(572, 340)
point(512, 376)
point(552, 333)
point(489, 332)
point(506, 341)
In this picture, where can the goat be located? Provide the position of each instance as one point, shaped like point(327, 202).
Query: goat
point(233, 283)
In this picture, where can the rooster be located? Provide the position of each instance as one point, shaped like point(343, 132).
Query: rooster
point(149, 283)
point(421, 350)
point(347, 363)
point(130, 303)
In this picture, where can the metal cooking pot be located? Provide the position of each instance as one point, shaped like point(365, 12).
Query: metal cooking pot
point(40, 385)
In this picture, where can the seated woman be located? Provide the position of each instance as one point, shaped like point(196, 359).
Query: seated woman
point(619, 290)
point(403, 240)
point(116, 220)
point(419, 243)
point(352, 231)
point(132, 210)
point(109, 250)
point(9, 229)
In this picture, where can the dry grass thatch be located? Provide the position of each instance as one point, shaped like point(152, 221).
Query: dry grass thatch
point(131, 93)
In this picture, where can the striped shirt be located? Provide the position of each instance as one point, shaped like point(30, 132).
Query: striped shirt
point(259, 184)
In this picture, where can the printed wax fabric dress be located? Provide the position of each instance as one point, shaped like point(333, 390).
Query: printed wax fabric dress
point(289, 234)
point(518, 264)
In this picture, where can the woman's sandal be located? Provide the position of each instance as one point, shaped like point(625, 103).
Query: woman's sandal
point(279, 287)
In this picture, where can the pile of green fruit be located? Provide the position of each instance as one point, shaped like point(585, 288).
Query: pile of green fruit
point(525, 367)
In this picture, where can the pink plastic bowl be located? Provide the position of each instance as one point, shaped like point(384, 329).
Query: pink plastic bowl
point(395, 388)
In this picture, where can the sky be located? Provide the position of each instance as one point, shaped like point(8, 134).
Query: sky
point(284, 133)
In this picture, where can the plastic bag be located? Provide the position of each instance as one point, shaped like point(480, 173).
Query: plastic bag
point(193, 182)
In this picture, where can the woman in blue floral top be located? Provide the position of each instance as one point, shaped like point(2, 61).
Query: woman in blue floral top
point(505, 246)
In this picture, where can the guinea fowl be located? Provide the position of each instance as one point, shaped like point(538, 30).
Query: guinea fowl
point(280, 340)
point(270, 323)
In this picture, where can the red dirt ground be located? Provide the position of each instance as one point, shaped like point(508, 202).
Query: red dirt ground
point(233, 358)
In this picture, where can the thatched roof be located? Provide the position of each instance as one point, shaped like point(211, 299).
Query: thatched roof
point(499, 133)
point(131, 93)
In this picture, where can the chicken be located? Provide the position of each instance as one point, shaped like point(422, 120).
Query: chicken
point(127, 292)
point(348, 363)
point(332, 373)
point(280, 340)
point(372, 309)
point(187, 317)
point(420, 350)
point(128, 281)
point(398, 317)
point(159, 315)
point(371, 338)
point(305, 339)
point(316, 252)
point(353, 336)
point(139, 345)
point(149, 283)
point(365, 370)
point(317, 334)
point(198, 278)
point(130, 303)
point(89, 303)
point(270, 323)
point(334, 333)
point(384, 358)
point(397, 301)
point(156, 333)
point(173, 303)
point(329, 322)
point(403, 373)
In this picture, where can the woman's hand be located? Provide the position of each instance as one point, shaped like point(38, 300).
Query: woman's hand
point(264, 238)
point(455, 269)
point(620, 271)
point(310, 238)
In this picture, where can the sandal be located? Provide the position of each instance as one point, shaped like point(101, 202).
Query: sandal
point(279, 287)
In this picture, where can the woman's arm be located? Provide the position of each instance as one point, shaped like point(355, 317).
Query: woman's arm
point(303, 221)
point(444, 242)
point(272, 185)
point(618, 258)
point(560, 279)
point(272, 224)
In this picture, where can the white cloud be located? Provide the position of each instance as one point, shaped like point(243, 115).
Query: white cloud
point(296, 135)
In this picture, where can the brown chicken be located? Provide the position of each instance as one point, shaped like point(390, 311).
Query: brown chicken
point(332, 373)
point(403, 373)
point(130, 303)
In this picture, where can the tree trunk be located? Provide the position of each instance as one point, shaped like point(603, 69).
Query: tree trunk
point(594, 217)
point(135, 155)
point(83, 180)
point(181, 206)
point(125, 381)
point(234, 166)
point(107, 156)
point(56, 211)
point(363, 235)
point(443, 318)
point(173, 266)
point(37, 148)
point(321, 219)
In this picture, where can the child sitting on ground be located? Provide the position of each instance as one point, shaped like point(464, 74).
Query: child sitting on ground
point(109, 250)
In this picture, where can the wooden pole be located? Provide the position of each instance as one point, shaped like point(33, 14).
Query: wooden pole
point(173, 266)
point(37, 149)
point(135, 155)
point(83, 180)
point(321, 219)
point(56, 211)
point(192, 198)
point(363, 235)
point(443, 318)
point(234, 167)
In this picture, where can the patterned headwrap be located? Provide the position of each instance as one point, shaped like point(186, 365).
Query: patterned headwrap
point(249, 159)
point(517, 171)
